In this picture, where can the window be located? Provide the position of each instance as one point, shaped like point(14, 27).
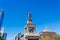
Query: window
point(31, 30)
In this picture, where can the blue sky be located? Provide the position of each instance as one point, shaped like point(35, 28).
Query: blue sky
point(44, 12)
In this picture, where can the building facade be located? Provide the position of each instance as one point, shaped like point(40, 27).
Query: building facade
point(3, 35)
point(30, 31)
point(47, 33)
point(18, 36)
point(1, 17)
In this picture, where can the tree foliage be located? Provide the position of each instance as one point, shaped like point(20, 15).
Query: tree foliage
point(1, 38)
point(47, 38)
point(56, 37)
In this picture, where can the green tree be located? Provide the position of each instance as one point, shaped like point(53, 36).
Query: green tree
point(55, 37)
point(58, 37)
point(1, 38)
point(47, 38)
